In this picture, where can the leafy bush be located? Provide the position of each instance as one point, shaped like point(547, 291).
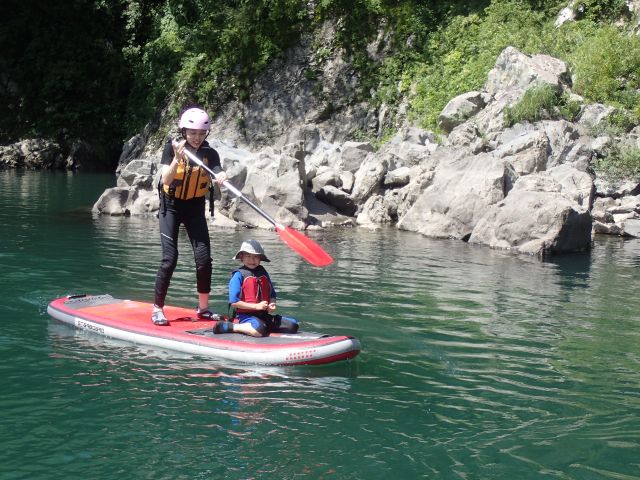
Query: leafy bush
point(461, 53)
point(541, 102)
point(207, 51)
point(616, 124)
point(606, 68)
point(620, 161)
point(154, 62)
point(62, 73)
point(602, 10)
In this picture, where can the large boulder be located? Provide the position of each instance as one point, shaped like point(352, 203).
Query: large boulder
point(512, 75)
point(375, 212)
point(459, 109)
point(113, 201)
point(461, 192)
point(368, 179)
point(535, 218)
point(338, 199)
point(275, 184)
point(516, 70)
point(138, 173)
point(353, 155)
point(527, 153)
point(32, 154)
point(326, 176)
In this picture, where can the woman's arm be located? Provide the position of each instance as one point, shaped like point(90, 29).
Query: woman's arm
point(171, 156)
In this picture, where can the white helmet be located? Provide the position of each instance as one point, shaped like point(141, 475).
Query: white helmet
point(195, 118)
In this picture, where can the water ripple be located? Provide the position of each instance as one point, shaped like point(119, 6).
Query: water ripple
point(475, 363)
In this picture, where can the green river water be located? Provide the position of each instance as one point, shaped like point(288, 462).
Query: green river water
point(476, 364)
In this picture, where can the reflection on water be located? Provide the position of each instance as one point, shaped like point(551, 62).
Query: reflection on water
point(475, 363)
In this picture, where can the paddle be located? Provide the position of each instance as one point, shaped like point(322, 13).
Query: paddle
point(307, 248)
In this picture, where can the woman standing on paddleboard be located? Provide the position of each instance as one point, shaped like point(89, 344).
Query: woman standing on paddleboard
point(183, 188)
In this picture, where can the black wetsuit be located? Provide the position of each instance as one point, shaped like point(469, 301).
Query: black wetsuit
point(190, 213)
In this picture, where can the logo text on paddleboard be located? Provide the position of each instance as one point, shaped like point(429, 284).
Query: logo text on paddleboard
point(89, 326)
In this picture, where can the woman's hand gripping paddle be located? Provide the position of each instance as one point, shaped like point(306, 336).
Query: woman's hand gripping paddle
point(307, 248)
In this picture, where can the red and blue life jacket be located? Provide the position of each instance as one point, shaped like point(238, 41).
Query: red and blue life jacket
point(256, 286)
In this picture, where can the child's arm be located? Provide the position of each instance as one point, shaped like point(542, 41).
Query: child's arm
point(272, 301)
point(258, 307)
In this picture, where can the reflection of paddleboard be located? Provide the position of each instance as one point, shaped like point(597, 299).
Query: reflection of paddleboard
point(131, 320)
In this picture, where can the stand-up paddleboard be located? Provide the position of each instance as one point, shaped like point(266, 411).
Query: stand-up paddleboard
point(130, 320)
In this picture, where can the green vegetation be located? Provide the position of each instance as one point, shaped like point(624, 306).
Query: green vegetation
point(602, 11)
point(100, 71)
point(542, 102)
point(621, 158)
point(621, 161)
point(204, 51)
point(461, 53)
point(61, 73)
point(606, 68)
point(605, 60)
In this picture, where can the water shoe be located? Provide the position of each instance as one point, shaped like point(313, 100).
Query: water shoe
point(158, 318)
point(207, 315)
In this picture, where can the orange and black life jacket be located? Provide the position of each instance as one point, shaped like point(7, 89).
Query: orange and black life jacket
point(191, 181)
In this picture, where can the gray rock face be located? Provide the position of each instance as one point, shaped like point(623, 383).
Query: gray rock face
point(114, 201)
point(459, 194)
point(527, 188)
point(535, 218)
point(516, 70)
point(459, 109)
point(138, 173)
point(32, 154)
point(338, 199)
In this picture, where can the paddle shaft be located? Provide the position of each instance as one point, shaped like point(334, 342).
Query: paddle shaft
point(233, 189)
point(306, 247)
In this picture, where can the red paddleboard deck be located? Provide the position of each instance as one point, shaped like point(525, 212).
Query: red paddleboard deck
point(130, 320)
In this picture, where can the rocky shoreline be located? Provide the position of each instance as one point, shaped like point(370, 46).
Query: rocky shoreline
point(528, 188)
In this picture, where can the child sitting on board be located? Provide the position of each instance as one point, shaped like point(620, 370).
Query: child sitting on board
point(253, 297)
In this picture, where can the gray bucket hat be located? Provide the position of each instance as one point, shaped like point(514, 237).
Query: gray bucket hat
point(254, 247)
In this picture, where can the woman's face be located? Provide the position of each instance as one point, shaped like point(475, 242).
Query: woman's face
point(195, 137)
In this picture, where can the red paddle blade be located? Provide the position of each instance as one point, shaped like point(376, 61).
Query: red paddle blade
point(307, 248)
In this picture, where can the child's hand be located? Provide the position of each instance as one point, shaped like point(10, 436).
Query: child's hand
point(271, 307)
point(263, 305)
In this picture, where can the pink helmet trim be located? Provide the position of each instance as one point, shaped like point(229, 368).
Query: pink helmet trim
point(195, 118)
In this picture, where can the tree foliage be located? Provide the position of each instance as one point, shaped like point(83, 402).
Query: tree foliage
point(99, 70)
point(62, 74)
point(206, 51)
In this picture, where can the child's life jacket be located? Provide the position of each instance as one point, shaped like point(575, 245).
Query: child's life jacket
point(256, 286)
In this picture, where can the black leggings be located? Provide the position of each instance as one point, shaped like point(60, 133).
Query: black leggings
point(191, 213)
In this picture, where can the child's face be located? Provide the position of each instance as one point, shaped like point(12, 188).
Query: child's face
point(250, 260)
